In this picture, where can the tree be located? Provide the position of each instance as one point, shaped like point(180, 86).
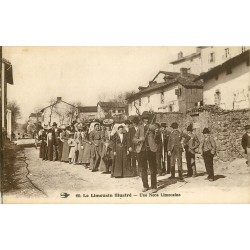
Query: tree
point(15, 112)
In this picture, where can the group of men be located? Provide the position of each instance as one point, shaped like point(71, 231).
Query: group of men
point(158, 148)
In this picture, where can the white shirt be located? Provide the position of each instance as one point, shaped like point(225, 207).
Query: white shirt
point(121, 137)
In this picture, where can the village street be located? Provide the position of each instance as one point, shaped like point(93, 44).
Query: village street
point(47, 181)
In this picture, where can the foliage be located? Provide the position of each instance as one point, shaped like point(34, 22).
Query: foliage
point(15, 112)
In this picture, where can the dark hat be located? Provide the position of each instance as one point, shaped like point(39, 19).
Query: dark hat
point(145, 115)
point(190, 128)
point(174, 125)
point(127, 122)
point(54, 124)
point(247, 127)
point(135, 120)
point(164, 124)
point(121, 126)
point(205, 131)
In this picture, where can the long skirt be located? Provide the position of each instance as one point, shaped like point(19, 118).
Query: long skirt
point(105, 161)
point(60, 149)
point(65, 151)
point(72, 152)
point(84, 154)
point(50, 150)
point(120, 164)
point(43, 150)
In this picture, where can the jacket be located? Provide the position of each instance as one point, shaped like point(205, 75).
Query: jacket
point(244, 142)
point(152, 138)
point(191, 143)
point(211, 145)
point(175, 140)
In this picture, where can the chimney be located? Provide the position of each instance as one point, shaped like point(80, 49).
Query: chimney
point(59, 99)
point(184, 71)
point(180, 55)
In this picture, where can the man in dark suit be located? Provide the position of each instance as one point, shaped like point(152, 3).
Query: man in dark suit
point(175, 150)
point(245, 142)
point(55, 138)
point(132, 157)
point(147, 140)
point(164, 138)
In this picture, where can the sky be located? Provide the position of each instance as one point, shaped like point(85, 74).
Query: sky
point(82, 74)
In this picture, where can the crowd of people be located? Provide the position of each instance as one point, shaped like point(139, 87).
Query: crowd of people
point(129, 149)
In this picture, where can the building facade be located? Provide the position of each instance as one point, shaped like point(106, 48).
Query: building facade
point(34, 118)
point(228, 84)
point(6, 77)
point(87, 113)
point(206, 57)
point(61, 112)
point(167, 92)
point(110, 109)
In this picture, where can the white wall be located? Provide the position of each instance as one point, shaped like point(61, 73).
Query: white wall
point(155, 101)
point(59, 114)
point(234, 88)
point(194, 65)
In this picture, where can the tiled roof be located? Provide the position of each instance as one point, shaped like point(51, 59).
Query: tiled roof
point(112, 104)
point(87, 109)
point(35, 115)
point(172, 78)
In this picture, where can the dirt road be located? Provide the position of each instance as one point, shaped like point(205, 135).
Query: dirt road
point(48, 180)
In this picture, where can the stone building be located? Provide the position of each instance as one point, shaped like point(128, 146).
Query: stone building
point(6, 77)
point(34, 118)
point(61, 112)
point(206, 57)
point(110, 109)
point(87, 113)
point(167, 92)
point(228, 85)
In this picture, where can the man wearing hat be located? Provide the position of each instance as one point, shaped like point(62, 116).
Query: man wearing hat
point(55, 138)
point(208, 150)
point(132, 146)
point(175, 150)
point(191, 144)
point(147, 140)
point(245, 142)
point(95, 137)
point(164, 141)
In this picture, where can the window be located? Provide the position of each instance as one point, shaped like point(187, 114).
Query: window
point(227, 52)
point(243, 49)
point(162, 97)
point(113, 110)
point(148, 99)
point(211, 59)
point(170, 108)
point(140, 102)
point(217, 97)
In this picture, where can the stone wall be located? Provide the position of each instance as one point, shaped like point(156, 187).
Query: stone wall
point(227, 127)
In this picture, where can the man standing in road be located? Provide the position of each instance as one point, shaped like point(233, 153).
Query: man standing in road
point(55, 138)
point(147, 140)
point(175, 150)
point(245, 142)
point(95, 137)
point(132, 146)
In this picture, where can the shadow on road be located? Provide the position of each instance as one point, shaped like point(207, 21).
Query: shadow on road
point(216, 177)
point(166, 182)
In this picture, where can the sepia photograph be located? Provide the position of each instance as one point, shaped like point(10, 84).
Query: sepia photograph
point(125, 124)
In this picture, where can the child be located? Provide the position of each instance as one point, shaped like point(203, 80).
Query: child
point(72, 146)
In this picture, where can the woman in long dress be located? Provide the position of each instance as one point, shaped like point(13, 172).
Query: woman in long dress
point(50, 145)
point(43, 146)
point(65, 137)
point(85, 146)
point(120, 153)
